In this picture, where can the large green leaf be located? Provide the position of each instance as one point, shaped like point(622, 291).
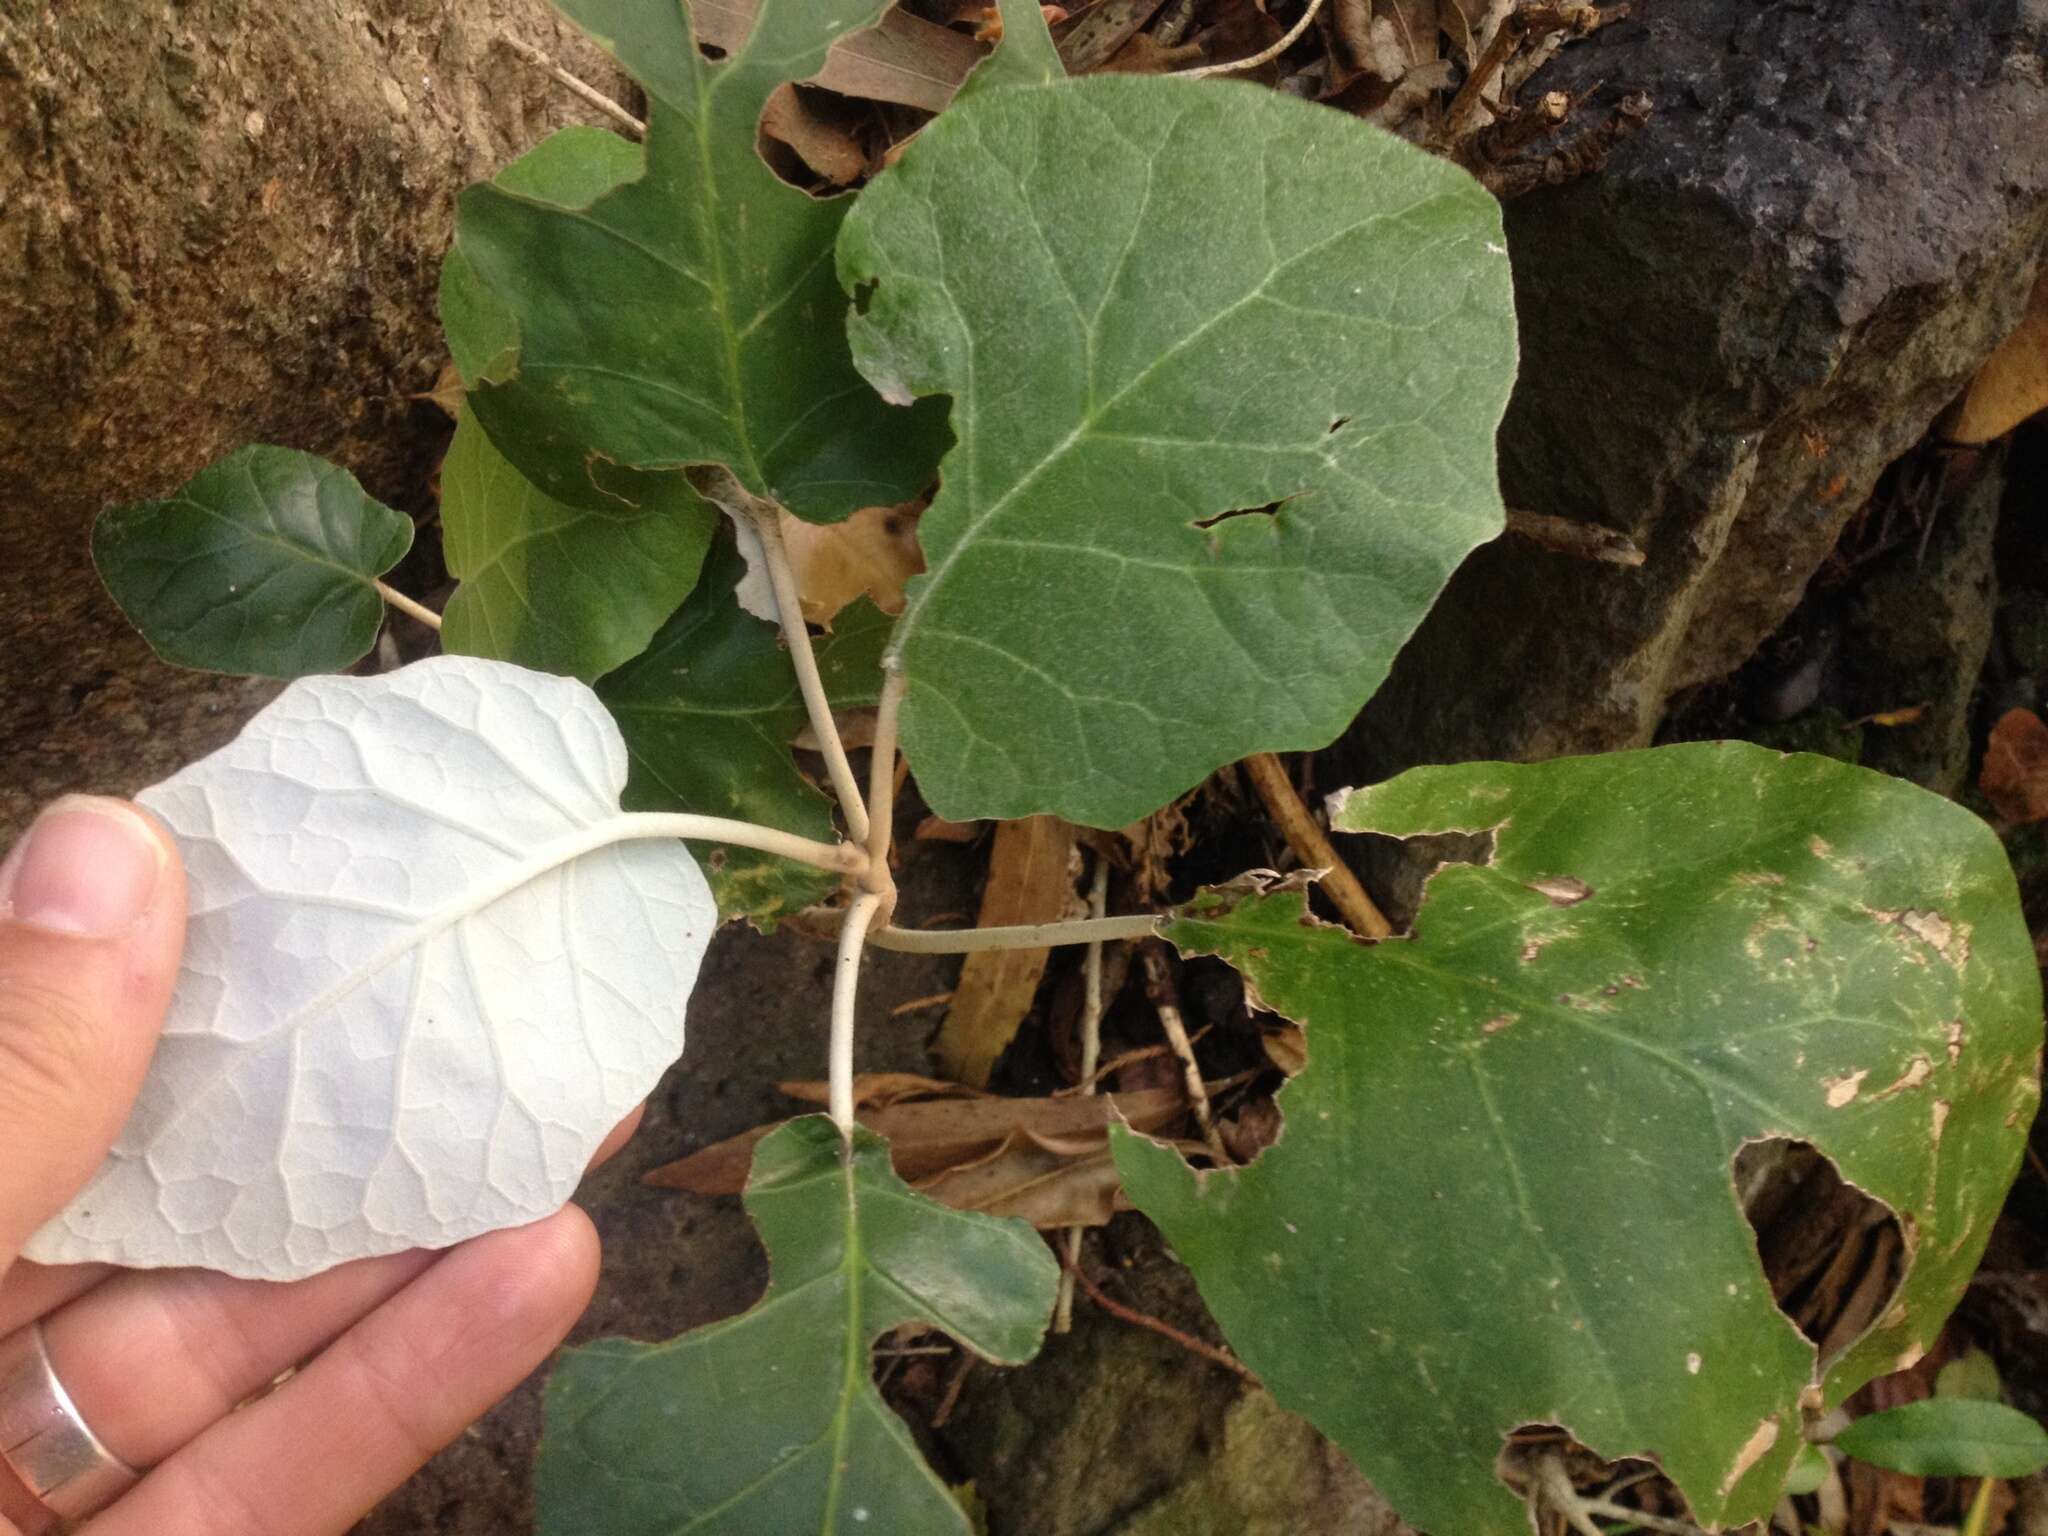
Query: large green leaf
point(769, 1424)
point(677, 309)
point(555, 587)
point(264, 563)
point(1503, 1193)
point(1155, 303)
point(709, 712)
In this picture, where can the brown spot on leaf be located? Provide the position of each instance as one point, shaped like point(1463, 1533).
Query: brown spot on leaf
point(1562, 890)
point(1497, 1023)
point(1842, 1091)
point(1754, 1449)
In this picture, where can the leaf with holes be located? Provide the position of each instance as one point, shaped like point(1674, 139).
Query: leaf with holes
point(265, 563)
point(425, 974)
point(1503, 1194)
point(1095, 631)
point(654, 311)
point(555, 587)
point(709, 712)
point(770, 1421)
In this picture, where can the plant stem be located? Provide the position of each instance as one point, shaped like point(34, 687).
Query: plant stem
point(882, 792)
point(765, 519)
point(1313, 848)
point(1264, 55)
point(409, 606)
point(1091, 1058)
point(961, 941)
point(840, 858)
point(845, 974)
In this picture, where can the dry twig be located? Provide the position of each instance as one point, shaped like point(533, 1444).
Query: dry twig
point(1165, 1330)
point(1159, 987)
point(1313, 847)
point(583, 89)
point(1263, 56)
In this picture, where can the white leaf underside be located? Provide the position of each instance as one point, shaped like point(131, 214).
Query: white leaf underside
point(423, 977)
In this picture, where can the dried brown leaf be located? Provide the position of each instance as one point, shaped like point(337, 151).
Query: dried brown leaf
point(904, 59)
point(2013, 383)
point(2014, 777)
point(1030, 880)
point(820, 139)
point(932, 1137)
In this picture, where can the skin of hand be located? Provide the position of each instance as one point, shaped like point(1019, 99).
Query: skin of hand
point(395, 1356)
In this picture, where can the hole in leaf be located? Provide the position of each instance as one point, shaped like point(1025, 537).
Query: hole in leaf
point(1338, 424)
point(1271, 510)
point(1397, 870)
point(712, 52)
point(864, 295)
point(1833, 1255)
point(1545, 1467)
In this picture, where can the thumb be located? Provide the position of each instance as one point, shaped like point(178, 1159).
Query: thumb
point(92, 920)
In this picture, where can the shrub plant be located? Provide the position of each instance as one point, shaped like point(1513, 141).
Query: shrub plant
point(1207, 380)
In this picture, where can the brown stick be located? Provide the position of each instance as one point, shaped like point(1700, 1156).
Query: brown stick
point(1137, 1319)
point(1313, 848)
point(1159, 988)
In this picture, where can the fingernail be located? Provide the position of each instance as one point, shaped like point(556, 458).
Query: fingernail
point(88, 867)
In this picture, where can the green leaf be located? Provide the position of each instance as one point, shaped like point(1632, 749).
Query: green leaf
point(264, 563)
point(769, 1422)
point(677, 308)
point(1972, 1374)
point(1949, 1437)
point(1809, 1471)
point(554, 587)
point(708, 714)
point(1503, 1193)
point(1155, 303)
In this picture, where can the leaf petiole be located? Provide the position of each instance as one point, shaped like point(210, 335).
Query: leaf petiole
point(840, 858)
point(960, 941)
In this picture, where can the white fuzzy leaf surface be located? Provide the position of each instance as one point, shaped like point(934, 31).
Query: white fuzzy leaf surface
point(424, 977)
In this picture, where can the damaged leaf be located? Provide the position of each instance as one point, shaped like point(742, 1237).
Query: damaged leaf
point(676, 306)
point(1503, 1192)
point(770, 1421)
point(1093, 633)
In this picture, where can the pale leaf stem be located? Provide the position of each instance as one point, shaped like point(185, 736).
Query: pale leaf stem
point(409, 606)
point(1091, 1058)
point(961, 941)
point(765, 517)
point(840, 858)
point(845, 975)
point(882, 791)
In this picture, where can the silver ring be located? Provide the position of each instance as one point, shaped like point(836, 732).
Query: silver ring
point(45, 1439)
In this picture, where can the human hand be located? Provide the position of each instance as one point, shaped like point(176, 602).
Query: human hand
point(405, 1350)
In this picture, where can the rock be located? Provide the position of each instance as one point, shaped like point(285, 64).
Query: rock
point(220, 222)
point(1916, 631)
point(1766, 296)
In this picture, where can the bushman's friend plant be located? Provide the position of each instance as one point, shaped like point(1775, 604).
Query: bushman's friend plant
point(1207, 380)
